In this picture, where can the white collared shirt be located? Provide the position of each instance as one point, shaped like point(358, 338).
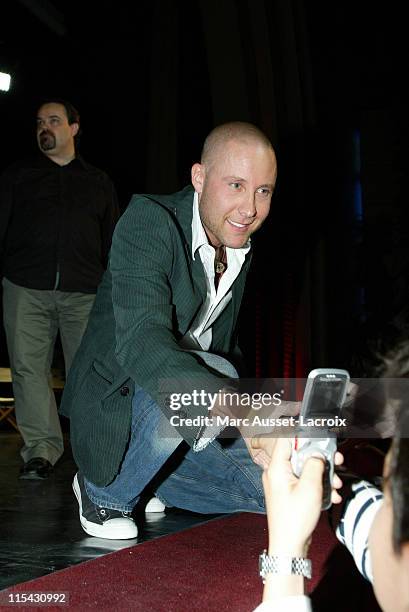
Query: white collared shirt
point(216, 301)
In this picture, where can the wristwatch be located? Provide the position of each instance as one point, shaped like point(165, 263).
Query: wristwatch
point(283, 565)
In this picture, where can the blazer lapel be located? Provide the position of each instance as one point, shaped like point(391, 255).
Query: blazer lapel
point(183, 210)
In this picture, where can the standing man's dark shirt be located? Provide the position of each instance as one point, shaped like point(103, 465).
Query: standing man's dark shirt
point(56, 224)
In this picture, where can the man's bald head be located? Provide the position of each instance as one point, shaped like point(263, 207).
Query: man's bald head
point(234, 131)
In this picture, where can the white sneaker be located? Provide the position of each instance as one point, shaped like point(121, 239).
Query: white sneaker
point(102, 522)
point(155, 505)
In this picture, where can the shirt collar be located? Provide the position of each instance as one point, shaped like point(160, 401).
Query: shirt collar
point(44, 160)
point(199, 237)
point(78, 158)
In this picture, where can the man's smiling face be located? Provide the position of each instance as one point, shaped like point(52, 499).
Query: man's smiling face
point(235, 191)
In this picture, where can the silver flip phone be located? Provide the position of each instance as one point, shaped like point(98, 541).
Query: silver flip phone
point(324, 395)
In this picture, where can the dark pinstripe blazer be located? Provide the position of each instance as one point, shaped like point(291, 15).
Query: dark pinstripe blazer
point(146, 302)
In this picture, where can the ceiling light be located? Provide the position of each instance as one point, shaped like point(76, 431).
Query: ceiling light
point(5, 80)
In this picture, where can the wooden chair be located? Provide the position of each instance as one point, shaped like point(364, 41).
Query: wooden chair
point(6, 400)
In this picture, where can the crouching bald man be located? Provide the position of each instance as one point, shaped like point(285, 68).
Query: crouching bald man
point(167, 309)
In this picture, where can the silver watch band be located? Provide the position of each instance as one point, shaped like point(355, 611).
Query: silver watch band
point(283, 565)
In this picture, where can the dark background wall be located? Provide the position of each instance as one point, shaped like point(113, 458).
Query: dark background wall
point(326, 81)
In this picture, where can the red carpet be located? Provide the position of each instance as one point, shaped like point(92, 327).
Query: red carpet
point(212, 567)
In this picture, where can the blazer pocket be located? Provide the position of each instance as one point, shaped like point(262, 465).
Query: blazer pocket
point(102, 371)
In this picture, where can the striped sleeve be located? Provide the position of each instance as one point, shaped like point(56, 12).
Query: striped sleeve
point(354, 527)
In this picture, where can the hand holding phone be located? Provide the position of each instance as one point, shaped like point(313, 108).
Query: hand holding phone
point(323, 447)
point(322, 403)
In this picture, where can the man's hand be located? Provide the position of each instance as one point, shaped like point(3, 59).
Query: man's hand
point(261, 452)
point(259, 455)
point(293, 504)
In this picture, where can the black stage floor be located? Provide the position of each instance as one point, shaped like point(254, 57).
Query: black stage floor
point(39, 525)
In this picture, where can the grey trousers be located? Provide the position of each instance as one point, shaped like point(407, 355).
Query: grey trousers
point(32, 319)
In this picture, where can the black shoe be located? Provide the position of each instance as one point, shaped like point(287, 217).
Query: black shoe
point(102, 522)
point(36, 468)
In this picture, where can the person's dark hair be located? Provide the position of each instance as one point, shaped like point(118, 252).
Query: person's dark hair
point(398, 367)
point(399, 483)
point(73, 115)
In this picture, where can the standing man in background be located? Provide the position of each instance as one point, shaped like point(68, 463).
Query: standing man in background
point(57, 216)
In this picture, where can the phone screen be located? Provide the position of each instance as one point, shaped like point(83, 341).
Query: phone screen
point(326, 397)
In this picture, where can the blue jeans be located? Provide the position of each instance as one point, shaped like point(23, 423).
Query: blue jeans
point(220, 478)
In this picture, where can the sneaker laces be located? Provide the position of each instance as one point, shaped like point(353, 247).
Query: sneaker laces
point(104, 511)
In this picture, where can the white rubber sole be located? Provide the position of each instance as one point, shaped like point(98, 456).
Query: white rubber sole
point(154, 505)
point(113, 529)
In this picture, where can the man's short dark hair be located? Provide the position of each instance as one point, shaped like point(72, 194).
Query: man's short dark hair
point(73, 115)
point(398, 367)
